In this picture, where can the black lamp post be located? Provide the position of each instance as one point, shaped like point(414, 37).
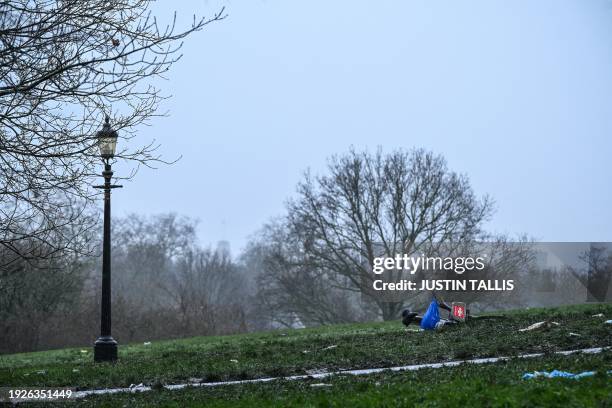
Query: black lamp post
point(105, 348)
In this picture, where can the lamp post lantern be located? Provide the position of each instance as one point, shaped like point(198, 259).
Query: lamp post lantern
point(105, 347)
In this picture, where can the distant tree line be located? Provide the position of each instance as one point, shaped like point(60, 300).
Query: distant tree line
point(164, 286)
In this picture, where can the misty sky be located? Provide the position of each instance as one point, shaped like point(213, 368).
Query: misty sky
point(516, 94)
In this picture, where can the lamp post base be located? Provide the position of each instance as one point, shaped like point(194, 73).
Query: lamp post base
point(105, 349)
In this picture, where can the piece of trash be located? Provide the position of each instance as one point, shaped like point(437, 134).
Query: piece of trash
point(333, 346)
point(559, 374)
point(414, 330)
point(195, 380)
point(147, 343)
point(42, 372)
point(575, 334)
point(305, 351)
point(598, 315)
point(75, 370)
point(233, 360)
point(431, 318)
point(540, 325)
point(608, 322)
point(138, 388)
point(83, 351)
point(556, 373)
point(320, 385)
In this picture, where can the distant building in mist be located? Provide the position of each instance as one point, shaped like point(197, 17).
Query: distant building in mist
point(223, 248)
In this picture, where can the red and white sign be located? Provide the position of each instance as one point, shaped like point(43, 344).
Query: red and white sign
point(458, 311)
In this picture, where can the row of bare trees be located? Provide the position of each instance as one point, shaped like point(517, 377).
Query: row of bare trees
point(160, 269)
point(316, 260)
point(313, 265)
point(310, 267)
point(164, 286)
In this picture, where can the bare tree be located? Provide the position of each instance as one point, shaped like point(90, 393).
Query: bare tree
point(28, 296)
point(290, 289)
point(597, 274)
point(63, 66)
point(504, 259)
point(402, 202)
point(207, 291)
point(163, 275)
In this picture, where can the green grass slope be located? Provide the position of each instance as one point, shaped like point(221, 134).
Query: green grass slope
point(282, 353)
point(493, 385)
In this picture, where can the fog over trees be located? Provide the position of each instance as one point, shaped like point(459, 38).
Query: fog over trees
point(66, 65)
point(164, 286)
point(307, 267)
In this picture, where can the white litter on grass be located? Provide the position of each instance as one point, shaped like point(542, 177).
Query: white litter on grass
point(598, 315)
point(143, 388)
point(540, 325)
point(147, 343)
point(233, 360)
point(330, 347)
point(320, 385)
point(575, 334)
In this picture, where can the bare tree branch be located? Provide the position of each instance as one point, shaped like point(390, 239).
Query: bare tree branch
point(63, 66)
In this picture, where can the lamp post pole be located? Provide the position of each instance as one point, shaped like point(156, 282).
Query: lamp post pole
point(105, 347)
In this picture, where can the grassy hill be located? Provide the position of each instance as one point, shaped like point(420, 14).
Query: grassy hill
point(342, 347)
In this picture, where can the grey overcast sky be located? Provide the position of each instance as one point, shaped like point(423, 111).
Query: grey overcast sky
point(515, 94)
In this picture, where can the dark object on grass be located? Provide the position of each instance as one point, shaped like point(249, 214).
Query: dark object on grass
point(431, 320)
point(409, 317)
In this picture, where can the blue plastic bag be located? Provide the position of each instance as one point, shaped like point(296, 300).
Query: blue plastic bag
point(557, 373)
point(431, 317)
